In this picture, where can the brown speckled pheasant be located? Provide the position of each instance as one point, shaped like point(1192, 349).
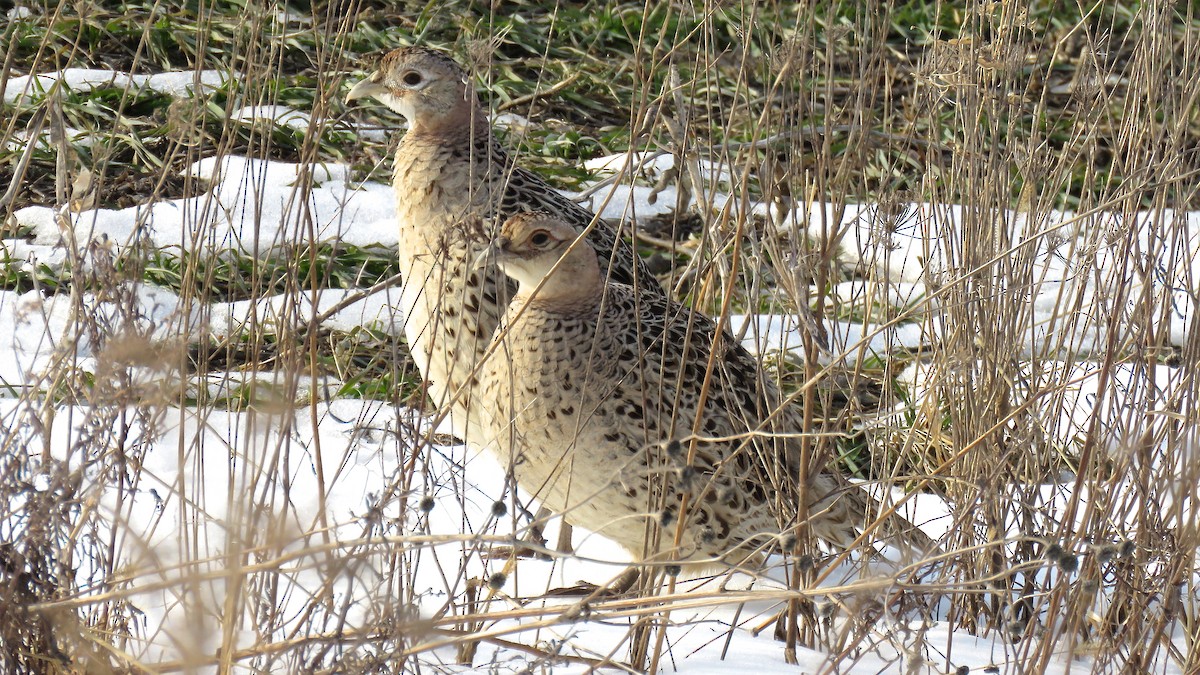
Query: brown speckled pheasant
point(450, 172)
point(595, 399)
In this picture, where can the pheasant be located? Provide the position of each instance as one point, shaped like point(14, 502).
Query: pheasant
point(640, 419)
point(450, 173)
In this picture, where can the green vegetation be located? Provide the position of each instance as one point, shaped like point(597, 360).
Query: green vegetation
point(885, 86)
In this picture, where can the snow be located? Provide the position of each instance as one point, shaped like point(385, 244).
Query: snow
point(254, 206)
point(27, 87)
point(511, 121)
point(1080, 398)
point(180, 587)
point(653, 166)
point(846, 342)
point(375, 311)
point(286, 502)
point(279, 114)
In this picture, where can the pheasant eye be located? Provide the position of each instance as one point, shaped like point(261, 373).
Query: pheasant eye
point(540, 238)
point(412, 78)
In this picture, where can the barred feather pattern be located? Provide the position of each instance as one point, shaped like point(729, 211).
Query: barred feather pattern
point(451, 175)
point(640, 419)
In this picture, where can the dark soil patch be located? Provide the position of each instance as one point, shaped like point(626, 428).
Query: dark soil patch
point(672, 226)
point(129, 188)
point(120, 188)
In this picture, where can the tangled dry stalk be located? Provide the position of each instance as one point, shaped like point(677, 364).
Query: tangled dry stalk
point(969, 131)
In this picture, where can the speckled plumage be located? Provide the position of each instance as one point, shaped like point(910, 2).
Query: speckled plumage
point(595, 391)
point(449, 174)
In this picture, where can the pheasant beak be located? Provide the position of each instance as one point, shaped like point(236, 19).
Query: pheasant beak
point(365, 89)
point(496, 250)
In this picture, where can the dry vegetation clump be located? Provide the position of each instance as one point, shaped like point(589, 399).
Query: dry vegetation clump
point(1005, 180)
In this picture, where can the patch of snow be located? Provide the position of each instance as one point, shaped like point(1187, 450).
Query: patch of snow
point(510, 121)
point(629, 202)
point(30, 257)
point(180, 551)
point(863, 295)
point(375, 311)
point(652, 166)
point(86, 79)
point(279, 114)
point(185, 83)
point(287, 16)
point(241, 170)
point(1074, 263)
point(845, 341)
point(254, 206)
point(1073, 399)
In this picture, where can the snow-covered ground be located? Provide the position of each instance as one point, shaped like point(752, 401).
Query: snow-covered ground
point(234, 516)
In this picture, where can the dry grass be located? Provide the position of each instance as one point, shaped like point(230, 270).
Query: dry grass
point(1080, 543)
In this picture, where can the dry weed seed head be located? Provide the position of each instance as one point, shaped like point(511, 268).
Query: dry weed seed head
point(1127, 549)
point(790, 54)
point(497, 581)
point(1054, 553)
point(1087, 87)
point(827, 610)
point(481, 51)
